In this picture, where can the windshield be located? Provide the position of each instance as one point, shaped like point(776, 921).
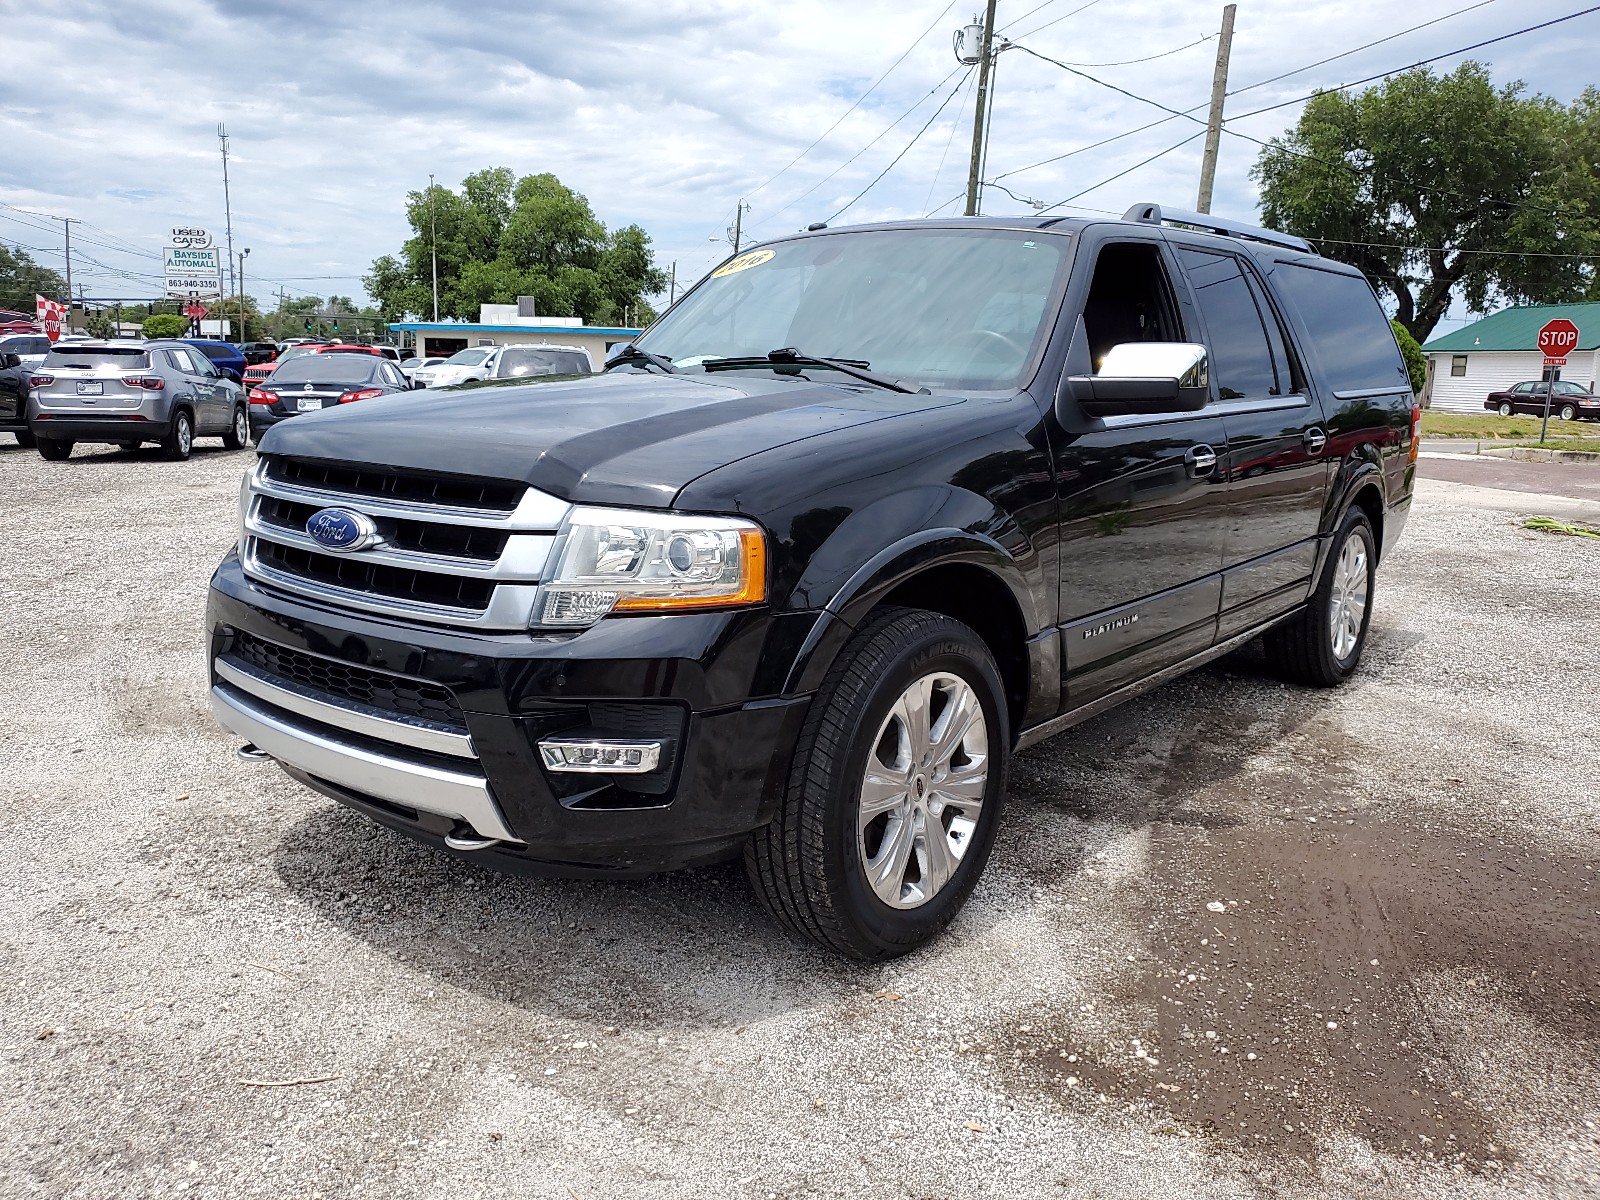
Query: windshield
point(328, 368)
point(942, 307)
point(469, 358)
point(515, 364)
point(294, 352)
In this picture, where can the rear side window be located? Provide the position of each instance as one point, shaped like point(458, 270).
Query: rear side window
point(1241, 358)
point(101, 356)
point(215, 350)
point(1346, 327)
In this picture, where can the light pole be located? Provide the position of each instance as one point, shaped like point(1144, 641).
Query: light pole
point(433, 239)
point(242, 255)
point(227, 199)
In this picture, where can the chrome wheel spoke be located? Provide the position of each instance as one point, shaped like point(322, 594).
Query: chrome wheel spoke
point(923, 789)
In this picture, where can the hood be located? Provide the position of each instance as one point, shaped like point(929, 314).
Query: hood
point(623, 438)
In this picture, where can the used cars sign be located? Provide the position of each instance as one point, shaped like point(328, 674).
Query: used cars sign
point(188, 237)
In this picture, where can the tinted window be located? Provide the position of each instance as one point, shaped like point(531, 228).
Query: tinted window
point(215, 350)
point(1241, 360)
point(101, 356)
point(1348, 332)
point(328, 368)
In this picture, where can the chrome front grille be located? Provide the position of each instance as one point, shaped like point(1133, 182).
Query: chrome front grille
point(453, 550)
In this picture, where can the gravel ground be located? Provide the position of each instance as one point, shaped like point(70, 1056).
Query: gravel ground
point(1236, 940)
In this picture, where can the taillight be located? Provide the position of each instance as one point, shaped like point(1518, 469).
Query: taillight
point(257, 396)
point(1416, 431)
point(150, 383)
point(360, 394)
point(40, 380)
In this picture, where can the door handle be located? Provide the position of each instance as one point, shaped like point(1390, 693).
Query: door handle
point(1201, 460)
point(1314, 439)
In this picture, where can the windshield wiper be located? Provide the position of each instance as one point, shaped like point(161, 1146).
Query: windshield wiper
point(632, 353)
point(789, 356)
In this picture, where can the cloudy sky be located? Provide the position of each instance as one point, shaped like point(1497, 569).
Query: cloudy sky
point(663, 112)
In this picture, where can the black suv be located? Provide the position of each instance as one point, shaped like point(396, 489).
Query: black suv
point(867, 511)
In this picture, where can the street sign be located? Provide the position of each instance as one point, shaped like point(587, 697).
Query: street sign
point(1558, 339)
point(195, 311)
point(179, 260)
point(52, 316)
point(181, 287)
point(189, 237)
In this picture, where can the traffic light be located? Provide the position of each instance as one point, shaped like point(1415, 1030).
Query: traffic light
point(336, 327)
point(308, 325)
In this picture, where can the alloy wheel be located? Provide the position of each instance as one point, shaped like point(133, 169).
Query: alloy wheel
point(1348, 601)
point(922, 791)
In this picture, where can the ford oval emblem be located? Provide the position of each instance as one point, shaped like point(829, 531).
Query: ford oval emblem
point(340, 530)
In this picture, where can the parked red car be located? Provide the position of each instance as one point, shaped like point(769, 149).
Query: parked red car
point(15, 322)
point(1569, 403)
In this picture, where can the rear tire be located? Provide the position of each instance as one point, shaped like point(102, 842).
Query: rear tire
point(25, 438)
point(175, 447)
point(1505, 408)
point(238, 435)
point(1321, 646)
point(922, 826)
point(53, 449)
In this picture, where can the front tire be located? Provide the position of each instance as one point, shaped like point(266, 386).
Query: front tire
point(1568, 412)
point(894, 793)
point(25, 439)
point(238, 435)
point(54, 449)
point(175, 447)
point(1321, 646)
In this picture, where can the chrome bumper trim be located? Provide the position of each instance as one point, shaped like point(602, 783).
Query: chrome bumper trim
point(369, 722)
point(459, 795)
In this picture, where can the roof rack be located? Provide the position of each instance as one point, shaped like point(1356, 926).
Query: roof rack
point(1154, 214)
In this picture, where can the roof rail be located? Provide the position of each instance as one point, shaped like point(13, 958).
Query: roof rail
point(1154, 214)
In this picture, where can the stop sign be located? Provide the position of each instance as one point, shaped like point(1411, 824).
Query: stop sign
point(1558, 339)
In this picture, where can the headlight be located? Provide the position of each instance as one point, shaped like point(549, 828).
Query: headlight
point(620, 560)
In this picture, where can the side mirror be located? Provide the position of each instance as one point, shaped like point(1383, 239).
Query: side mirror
point(1145, 378)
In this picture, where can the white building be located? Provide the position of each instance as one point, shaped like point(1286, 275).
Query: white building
point(1502, 350)
point(514, 324)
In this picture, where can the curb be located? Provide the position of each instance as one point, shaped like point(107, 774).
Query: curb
point(1530, 454)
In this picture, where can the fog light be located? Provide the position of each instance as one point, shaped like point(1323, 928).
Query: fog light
point(582, 756)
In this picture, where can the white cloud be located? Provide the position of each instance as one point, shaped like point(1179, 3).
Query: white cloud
point(662, 113)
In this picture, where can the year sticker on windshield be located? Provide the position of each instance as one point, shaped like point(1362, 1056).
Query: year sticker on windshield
point(743, 263)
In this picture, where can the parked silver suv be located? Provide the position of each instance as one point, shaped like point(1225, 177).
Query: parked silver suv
point(131, 392)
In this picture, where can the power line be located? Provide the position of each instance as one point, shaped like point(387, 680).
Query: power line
point(917, 137)
point(1057, 20)
point(1322, 62)
point(934, 90)
point(857, 103)
point(954, 127)
point(1128, 62)
point(1116, 137)
point(1419, 63)
point(1126, 171)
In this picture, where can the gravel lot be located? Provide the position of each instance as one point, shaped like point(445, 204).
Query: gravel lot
point(1237, 939)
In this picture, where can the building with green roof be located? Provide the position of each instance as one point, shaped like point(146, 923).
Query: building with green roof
point(1502, 350)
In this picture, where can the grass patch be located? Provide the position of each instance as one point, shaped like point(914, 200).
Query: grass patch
point(1493, 427)
point(1564, 528)
point(1588, 445)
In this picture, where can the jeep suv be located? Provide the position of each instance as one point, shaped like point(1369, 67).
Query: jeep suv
point(867, 511)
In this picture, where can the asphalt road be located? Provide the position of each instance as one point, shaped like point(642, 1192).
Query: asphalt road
point(1574, 481)
point(1237, 939)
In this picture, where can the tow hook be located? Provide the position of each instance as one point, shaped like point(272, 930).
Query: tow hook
point(250, 752)
point(469, 841)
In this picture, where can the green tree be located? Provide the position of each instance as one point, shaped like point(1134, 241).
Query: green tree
point(165, 325)
point(1416, 361)
point(1442, 187)
point(21, 279)
point(502, 237)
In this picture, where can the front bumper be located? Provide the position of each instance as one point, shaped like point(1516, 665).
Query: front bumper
point(707, 685)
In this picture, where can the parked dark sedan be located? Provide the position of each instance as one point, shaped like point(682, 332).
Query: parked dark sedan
point(316, 381)
point(227, 358)
point(1569, 402)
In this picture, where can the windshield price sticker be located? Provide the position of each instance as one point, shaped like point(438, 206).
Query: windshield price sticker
point(744, 262)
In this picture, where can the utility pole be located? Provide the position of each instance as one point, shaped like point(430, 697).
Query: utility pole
point(433, 238)
point(974, 167)
point(672, 288)
point(242, 255)
point(1219, 91)
point(67, 223)
point(227, 199)
point(738, 225)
